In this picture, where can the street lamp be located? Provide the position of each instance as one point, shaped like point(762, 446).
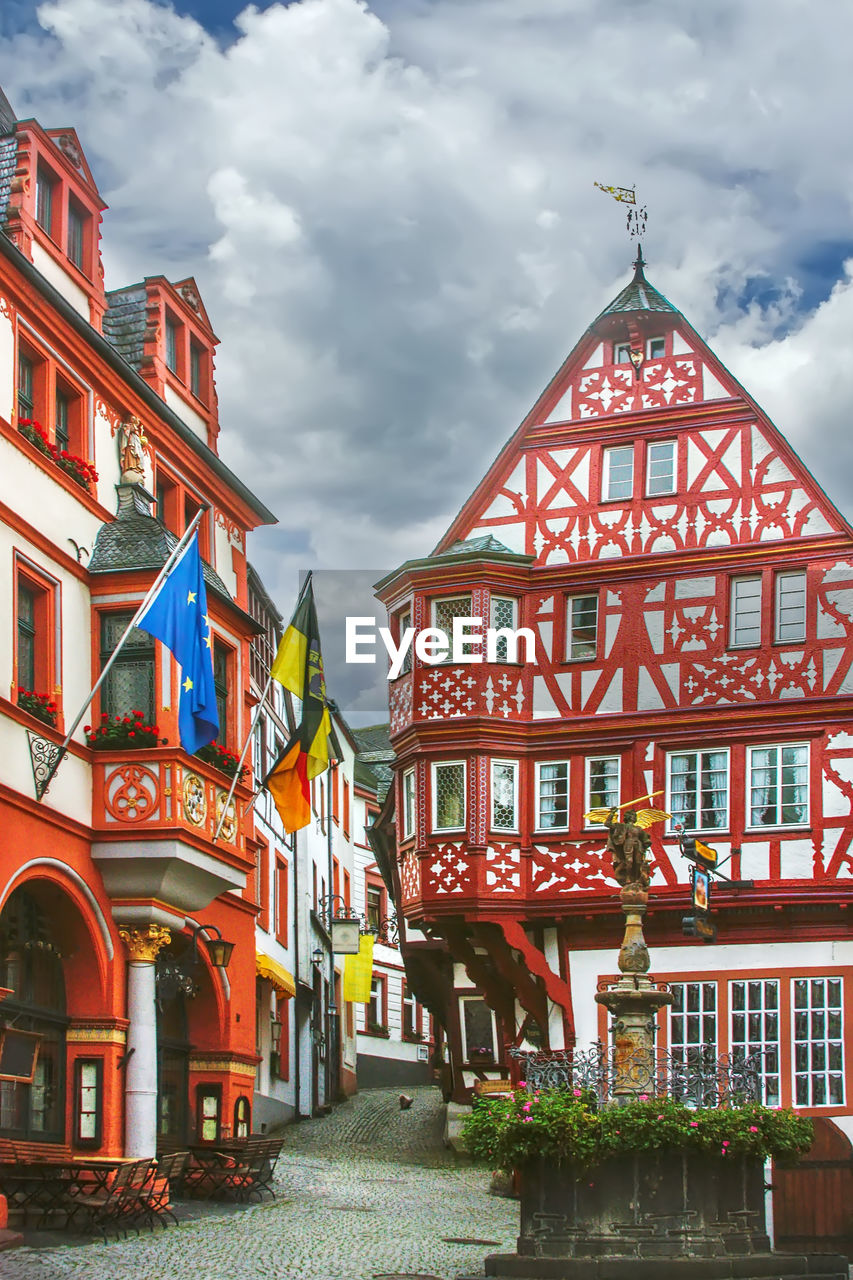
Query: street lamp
point(217, 948)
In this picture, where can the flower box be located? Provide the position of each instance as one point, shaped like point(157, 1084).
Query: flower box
point(228, 762)
point(81, 471)
point(122, 733)
point(39, 705)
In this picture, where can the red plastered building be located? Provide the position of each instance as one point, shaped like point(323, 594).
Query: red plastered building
point(111, 884)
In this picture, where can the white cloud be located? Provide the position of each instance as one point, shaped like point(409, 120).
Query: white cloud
point(392, 218)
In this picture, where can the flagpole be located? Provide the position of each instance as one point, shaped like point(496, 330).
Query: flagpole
point(256, 717)
point(42, 787)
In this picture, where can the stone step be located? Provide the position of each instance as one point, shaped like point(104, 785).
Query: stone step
point(10, 1239)
point(757, 1266)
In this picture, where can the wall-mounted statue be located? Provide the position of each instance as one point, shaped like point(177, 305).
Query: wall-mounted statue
point(132, 444)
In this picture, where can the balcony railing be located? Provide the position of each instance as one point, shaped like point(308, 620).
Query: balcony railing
point(161, 789)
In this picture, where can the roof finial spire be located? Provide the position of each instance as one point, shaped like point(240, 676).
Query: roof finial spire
point(638, 263)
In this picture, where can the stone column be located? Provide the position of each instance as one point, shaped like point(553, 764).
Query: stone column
point(633, 1002)
point(140, 1085)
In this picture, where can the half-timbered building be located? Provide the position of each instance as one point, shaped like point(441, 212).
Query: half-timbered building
point(690, 588)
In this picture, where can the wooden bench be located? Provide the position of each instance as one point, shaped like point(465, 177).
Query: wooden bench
point(31, 1175)
point(12, 1151)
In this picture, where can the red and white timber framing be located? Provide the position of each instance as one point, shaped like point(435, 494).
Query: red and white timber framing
point(529, 915)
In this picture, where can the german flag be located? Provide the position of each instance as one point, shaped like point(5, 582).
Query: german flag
point(298, 665)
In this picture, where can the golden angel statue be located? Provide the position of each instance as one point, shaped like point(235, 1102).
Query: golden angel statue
point(628, 839)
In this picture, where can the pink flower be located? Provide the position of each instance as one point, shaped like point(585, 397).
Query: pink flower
point(753, 1128)
point(694, 1124)
point(576, 1092)
point(644, 1097)
point(660, 1117)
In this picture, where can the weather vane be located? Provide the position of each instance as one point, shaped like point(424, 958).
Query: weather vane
point(637, 214)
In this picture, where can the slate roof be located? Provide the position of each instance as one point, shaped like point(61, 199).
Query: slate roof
point(639, 295)
point(124, 322)
point(469, 546)
point(8, 162)
point(377, 756)
point(136, 540)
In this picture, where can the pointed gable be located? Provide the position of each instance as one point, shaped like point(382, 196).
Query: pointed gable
point(701, 465)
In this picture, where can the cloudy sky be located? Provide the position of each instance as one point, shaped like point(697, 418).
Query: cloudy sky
point(389, 208)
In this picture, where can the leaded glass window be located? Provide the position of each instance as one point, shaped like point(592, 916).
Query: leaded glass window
point(503, 616)
point(129, 685)
point(448, 796)
point(504, 795)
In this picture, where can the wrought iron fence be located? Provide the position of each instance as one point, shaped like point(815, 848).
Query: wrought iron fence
point(695, 1076)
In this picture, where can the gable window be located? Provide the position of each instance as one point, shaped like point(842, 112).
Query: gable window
point(621, 353)
point(581, 627)
point(448, 796)
point(45, 186)
point(76, 234)
point(408, 804)
point(779, 786)
point(221, 663)
point(618, 472)
point(602, 782)
point(552, 795)
point(656, 348)
point(130, 682)
point(503, 612)
point(818, 1042)
point(745, 612)
point(660, 468)
point(699, 790)
point(25, 386)
point(505, 795)
point(172, 328)
point(791, 606)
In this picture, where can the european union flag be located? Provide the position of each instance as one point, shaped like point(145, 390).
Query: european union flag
point(178, 616)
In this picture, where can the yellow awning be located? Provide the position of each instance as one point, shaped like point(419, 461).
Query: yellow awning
point(266, 967)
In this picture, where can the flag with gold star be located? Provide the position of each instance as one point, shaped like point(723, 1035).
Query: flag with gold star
point(177, 616)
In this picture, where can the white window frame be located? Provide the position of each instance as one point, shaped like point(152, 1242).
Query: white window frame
point(438, 600)
point(606, 478)
point(587, 595)
point(734, 643)
point(589, 761)
point(620, 348)
point(435, 766)
point(825, 1072)
point(513, 765)
point(540, 764)
point(656, 444)
point(699, 752)
point(685, 1048)
point(781, 576)
point(408, 803)
point(513, 625)
point(463, 1000)
point(778, 826)
point(649, 342)
point(751, 1044)
point(404, 621)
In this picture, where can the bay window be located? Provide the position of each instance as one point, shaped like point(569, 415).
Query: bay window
point(448, 796)
point(505, 795)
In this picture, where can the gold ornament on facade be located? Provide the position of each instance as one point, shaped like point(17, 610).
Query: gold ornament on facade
point(145, 944)
point(132, 447)
point(228, 830)
point(195, 800)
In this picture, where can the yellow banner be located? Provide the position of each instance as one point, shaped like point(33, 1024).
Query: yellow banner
point(358, 971)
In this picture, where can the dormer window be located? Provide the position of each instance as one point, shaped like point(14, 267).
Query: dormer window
point(45, 211)
point(172, 338)
point(656, 348)
point(622, 353)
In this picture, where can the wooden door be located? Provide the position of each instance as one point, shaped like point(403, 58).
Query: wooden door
point(813, 1202)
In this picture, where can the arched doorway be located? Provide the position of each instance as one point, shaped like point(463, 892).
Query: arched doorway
point(31, 965)
point(811, 1201)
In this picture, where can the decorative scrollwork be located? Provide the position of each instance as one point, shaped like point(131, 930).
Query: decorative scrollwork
point(131, 793)
point(695, 1076)
point(195, 799)
point(44, 758)
point(228, 830)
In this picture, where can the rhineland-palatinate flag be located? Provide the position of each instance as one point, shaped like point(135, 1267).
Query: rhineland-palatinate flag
point(298, 665)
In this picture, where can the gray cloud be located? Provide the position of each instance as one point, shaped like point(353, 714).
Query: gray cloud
point(391, 215)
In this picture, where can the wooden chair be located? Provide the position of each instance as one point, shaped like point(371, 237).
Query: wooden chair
point(118, 1206)
point(168, 1177)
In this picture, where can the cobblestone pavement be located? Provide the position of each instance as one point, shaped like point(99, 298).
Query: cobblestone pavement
point(364, 1193)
